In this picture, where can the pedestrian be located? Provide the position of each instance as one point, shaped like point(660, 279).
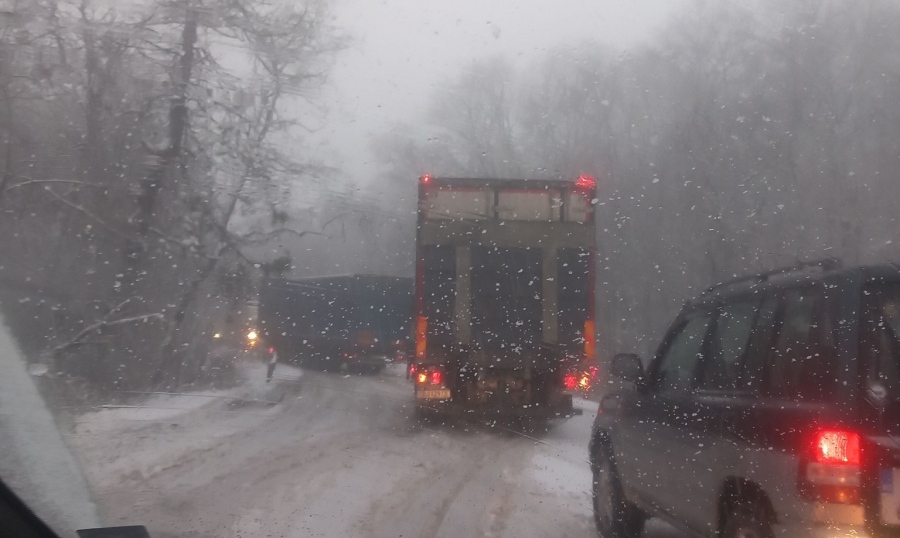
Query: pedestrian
point(270, 368)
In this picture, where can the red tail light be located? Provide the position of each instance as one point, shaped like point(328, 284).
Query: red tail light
point(832, 474)
point(585, 182)
point(429, 376)
point(837, 447)
point(570, 381)
point(271, 350)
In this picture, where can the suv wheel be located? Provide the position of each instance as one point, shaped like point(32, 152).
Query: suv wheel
point(746, 523)
point(613, 515)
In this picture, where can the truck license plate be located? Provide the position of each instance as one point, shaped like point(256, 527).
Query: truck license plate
point(890, 496)
point(436, 394)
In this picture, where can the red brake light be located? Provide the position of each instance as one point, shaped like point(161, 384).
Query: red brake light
point(837, 446)
point(436, 377)
point(585, 182)
point(271, 350)
point(570, 381)
point(425, 179)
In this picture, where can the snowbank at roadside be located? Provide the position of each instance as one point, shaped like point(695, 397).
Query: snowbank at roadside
point(152, 407)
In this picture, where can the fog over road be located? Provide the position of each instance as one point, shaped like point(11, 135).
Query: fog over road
point(338, 456)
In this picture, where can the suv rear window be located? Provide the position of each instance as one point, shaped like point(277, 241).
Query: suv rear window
point(803, 363)
point(880, 346)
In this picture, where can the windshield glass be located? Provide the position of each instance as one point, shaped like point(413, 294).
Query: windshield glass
point(356, 268)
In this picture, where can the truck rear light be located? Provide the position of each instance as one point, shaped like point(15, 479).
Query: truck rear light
point(590, 344)
point(437, 377)
point(832, 473)
point(421, 336)
point(584, 383)
point(430, 376)
point(570, 381)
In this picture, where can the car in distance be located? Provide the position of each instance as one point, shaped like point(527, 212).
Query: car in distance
point(771, 408)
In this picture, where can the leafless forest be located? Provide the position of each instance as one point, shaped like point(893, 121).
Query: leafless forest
point(153, 165)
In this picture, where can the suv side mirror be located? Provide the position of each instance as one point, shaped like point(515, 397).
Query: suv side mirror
point(627, 367)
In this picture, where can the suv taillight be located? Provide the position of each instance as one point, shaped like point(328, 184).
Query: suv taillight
point(837, 447)
point(832, 472)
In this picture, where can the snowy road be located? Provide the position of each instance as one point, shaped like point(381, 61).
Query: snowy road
point(339, 456)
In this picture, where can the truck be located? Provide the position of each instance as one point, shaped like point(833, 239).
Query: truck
point(356, 322)
point(504, 295)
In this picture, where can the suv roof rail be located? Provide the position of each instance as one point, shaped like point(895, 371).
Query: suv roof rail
point(824, 264)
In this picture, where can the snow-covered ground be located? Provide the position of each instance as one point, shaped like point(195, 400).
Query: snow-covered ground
point(330, 455)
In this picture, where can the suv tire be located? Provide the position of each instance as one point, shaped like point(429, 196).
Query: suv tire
point(746, 522)
point(613, 515)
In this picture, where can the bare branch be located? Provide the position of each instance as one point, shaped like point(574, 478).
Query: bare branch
point(102, 325)
point(43, 181)
point(92, 216)
point(259, 236)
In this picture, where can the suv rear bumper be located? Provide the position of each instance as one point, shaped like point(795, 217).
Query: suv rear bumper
point(821, 531)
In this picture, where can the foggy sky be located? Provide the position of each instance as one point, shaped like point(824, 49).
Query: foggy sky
point(403, 49)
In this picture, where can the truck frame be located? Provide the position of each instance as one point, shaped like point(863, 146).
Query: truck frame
point(504, 300)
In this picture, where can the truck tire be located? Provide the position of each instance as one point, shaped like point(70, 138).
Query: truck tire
point(613, 515)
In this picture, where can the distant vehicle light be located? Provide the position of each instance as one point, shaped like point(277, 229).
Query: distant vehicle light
point(217, 335)
point(437, 377)
point(422, 377)
point(271, 350)
point(425, 179)
point(585, 182)
point(584, 382)
point(570, 381)
point(252, 335)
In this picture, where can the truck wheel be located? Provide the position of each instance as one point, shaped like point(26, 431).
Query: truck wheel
point(614, 516)
point(746, 522)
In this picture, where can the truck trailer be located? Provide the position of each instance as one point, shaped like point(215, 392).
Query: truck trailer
point(360, 322)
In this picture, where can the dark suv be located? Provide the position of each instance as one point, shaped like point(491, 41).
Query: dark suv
point(772, 408)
